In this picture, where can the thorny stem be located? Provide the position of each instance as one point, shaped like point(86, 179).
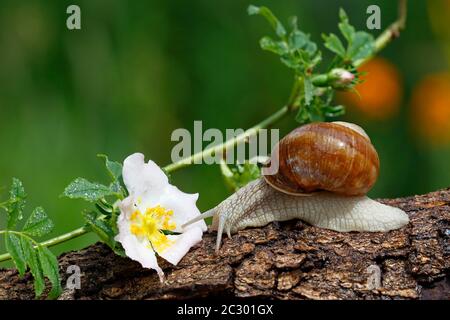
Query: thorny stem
point(392, 32)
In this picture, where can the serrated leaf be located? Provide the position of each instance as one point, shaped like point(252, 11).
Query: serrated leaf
point(347, 30)
point(38, 223)
point(291, 62)
point(277, 47)
point(100, 227)
point(309, 90)
point(114, 168)
point(297, 39)
point(14, 248)
point(116, 188)
point(270, 17)
point(32, 259)
point(81, 188)
point(334, 44)
point(16, 203)
point(311, 48)
point(50, 269)
point(361, 46)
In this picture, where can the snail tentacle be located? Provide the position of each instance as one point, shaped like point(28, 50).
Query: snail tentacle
point(204, 215)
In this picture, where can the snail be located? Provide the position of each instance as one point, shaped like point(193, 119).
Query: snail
point(324, 172)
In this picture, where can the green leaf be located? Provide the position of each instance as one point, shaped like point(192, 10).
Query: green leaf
point(117, 189)
point(298, 40)
point(361, 47)
point(360, 44)
point(270, 17)
point(347, 30)
point(14, 247)
point(23, 249)
point(310, 47)
point(50, 268)
point(309, 90)
point(81, 188)
point(16, 203)
point(114, 168)
point(277, 47)
point(334, 44)
point(100, 227)
point(33, 262)
point(38, 224)
point(296, 50)
point(292, 62)
point(319, 108)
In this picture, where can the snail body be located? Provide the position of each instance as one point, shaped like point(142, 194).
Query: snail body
point(324, 172)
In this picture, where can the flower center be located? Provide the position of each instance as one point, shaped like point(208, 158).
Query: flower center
point(151, 225)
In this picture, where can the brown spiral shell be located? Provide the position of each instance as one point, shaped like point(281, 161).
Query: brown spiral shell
point(336, 157)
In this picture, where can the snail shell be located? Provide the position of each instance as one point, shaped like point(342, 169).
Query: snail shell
point(336, 157)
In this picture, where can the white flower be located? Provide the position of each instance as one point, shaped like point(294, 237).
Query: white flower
point(154, 205)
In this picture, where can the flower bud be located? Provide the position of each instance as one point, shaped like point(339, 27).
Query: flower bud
point(340, 78)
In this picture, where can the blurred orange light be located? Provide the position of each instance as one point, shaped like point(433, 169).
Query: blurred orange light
point(431, 108)
point(380, 93)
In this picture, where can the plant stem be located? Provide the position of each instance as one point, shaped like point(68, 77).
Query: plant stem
point(54, 241)
point(380, 43)
point(229, 143)
point(392, 32)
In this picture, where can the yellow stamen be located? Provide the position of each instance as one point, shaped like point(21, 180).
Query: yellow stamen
point(150, 225)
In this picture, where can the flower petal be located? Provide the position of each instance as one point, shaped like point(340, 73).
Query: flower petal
point(145, 180)
point(182, 244)
point(183, 205)
point(138, 250)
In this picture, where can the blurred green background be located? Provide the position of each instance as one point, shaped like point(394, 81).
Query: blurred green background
point(137, 70)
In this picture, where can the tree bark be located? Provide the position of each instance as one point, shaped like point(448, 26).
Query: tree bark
point(289, 260)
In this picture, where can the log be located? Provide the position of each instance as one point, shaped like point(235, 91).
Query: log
point(289, 260)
